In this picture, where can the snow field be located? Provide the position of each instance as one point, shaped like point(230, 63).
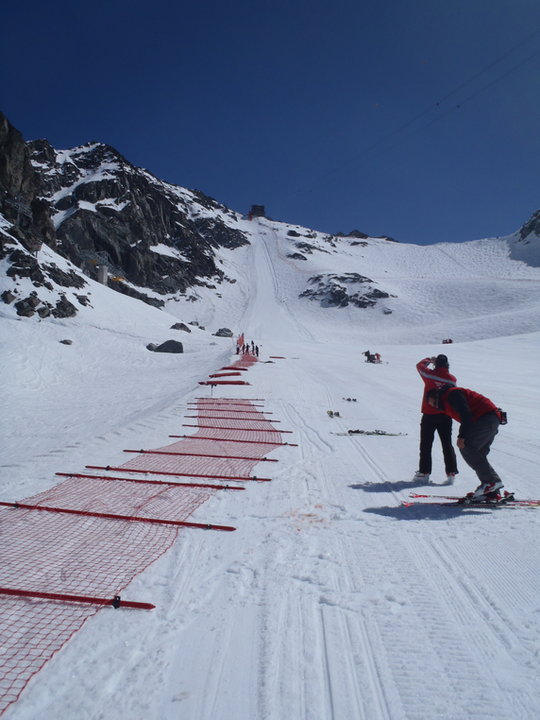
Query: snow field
point(331, 601)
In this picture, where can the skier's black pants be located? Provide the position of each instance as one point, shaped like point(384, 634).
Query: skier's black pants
point(443, 425)
point(477, 445)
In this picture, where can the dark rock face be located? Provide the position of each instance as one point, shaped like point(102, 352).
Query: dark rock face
point(131, 292)
point(362, 236)
point(19, 190)
point(353, 234)
point(94, 208)
point(306, 247)
point(335, 291)
point(8, 297)
point(223, 332)
point(149, 233)
point(532, 226)
point(525, 246)
point(64, 308)
point(29, 226)
point(28, 306)
point(63, 277)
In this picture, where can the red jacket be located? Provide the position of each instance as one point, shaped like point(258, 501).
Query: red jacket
point(433, 378)
point(466, 406)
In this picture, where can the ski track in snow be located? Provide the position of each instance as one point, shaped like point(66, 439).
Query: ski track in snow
point(331, 601)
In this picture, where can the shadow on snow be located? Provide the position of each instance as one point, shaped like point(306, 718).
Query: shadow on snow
point(426, 512)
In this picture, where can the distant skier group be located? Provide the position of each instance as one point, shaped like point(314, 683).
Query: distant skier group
point(248, 349)
point(479, 418)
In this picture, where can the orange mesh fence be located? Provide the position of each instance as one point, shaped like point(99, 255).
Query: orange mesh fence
point(81, 555)
point(65, 554)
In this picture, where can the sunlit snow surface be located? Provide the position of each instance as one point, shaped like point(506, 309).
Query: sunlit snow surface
point(330, 600)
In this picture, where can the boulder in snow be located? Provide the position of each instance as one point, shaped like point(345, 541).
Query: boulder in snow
point(170, 346)
point(180, 326)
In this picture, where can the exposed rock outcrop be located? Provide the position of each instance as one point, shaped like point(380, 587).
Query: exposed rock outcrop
point(149, 233)
point(339, 291)
point(525, 244)
point(20, 203)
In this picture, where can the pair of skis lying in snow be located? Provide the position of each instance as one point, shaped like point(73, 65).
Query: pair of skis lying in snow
point(485, 501)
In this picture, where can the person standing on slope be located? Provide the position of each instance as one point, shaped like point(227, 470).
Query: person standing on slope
point(435, 420)
point(480, 420)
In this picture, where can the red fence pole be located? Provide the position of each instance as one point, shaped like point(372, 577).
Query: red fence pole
point(205, 455)
point(249, 442)
point(225, 417)
point(175, 474)
point(151, 482)
point(115, 602)
point(112, 516)
point(216, 427)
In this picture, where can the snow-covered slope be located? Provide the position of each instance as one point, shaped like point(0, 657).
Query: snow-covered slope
point(330, 600)
point(462, 291)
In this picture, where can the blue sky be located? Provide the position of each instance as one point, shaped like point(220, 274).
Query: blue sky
point(418, 119)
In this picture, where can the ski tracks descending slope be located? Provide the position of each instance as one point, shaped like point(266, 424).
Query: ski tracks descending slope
point(267, 317)
point(384, 614)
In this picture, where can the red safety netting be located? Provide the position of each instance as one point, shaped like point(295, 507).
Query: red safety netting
point(65, 554)
point(196, 466)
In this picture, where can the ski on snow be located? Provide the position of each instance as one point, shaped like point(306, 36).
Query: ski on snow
point(507, 499)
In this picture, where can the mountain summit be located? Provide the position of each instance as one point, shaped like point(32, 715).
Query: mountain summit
point(71, 216)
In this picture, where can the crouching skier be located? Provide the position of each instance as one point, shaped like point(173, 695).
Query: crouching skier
point(480, 420)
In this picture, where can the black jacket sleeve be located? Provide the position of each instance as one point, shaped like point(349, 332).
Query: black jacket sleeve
point(459, 402)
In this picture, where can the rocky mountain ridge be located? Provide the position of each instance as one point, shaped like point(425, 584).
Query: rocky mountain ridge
point(152, 234)
point(106, 219)
point(97, 210)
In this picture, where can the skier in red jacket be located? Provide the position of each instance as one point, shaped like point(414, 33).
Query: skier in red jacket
point(434, 420)
point(480, 420)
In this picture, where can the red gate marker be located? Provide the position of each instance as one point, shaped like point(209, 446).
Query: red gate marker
point(216, 427)
point(115, 602)
point(205, 455)
point(174, 474)
point(231, 401)
point(208, 408)
point(249, 442)
point(112, 516)
point(151, 482)
point(224, 374)
point(224, 417)
point(223, 382)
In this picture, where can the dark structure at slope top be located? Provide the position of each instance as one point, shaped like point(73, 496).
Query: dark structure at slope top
point(148, 232)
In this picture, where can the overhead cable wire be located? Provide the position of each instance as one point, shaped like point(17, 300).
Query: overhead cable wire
point(455, 107)
point(453, 92)
point(437, 104)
